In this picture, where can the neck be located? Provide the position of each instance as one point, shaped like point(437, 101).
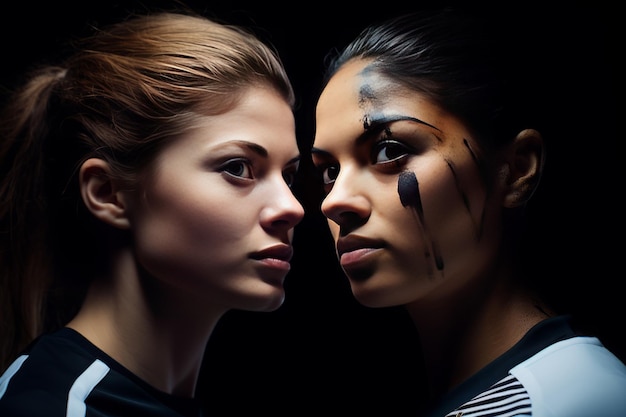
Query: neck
point(461, 334)
point(127, 316)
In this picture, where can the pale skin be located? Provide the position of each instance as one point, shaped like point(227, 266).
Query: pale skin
point(449, 267)
point(213, 222)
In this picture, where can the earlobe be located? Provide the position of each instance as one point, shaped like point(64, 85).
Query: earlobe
point(100, 193)
point(524, 168)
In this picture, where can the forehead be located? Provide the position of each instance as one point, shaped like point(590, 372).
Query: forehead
point(358, 82)
point(260, 117)
point(357, 94)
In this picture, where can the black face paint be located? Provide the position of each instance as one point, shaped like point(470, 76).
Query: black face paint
point(465, 198)
point(408, 190)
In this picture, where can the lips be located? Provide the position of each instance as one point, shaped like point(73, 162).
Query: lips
point(353, 250)
point(275, 258)
point(280, 252)
point(273, 262)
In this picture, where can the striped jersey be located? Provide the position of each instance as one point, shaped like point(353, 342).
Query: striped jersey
point(551, 372)
point(62, 374)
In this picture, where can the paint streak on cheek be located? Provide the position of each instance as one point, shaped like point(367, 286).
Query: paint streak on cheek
point(408, 190)
point(478, 225)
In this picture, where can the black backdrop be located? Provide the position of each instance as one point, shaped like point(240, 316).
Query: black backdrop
point(321, 351)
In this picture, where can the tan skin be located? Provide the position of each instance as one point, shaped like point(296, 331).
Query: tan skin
point(450, 269)
point(212, 225)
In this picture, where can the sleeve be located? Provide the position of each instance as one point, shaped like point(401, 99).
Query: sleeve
point(577, 377)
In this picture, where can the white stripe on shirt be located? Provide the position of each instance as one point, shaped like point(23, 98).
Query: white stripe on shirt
point(83, 385)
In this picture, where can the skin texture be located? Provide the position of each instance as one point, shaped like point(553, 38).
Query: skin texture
point(416, 209)
point(212, 226)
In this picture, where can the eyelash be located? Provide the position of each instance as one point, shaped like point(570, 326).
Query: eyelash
point(401, 152)
point(289, 175)
point(234, 167)
point(395, 153)
point(229, 168)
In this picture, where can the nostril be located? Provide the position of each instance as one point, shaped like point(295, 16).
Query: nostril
point(350, 220)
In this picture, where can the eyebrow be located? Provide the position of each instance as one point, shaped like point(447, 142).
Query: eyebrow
point(376, 123)
point(261, 151)
point(253, 147)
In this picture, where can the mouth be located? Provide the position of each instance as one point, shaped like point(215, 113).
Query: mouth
point(276, 257)
point(354, 251)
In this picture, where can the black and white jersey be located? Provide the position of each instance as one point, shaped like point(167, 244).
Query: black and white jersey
point(551, 372)
point(64, 375)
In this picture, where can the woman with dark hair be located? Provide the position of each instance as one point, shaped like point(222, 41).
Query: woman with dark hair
point(429, 145)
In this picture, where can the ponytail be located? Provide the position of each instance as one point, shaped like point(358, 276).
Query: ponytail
point(25, 265)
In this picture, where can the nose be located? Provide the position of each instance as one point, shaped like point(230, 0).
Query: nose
point(283, 211)
point(346, 201)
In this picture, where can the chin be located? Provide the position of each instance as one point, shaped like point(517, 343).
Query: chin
point(270, 307)
point(265, 302)
point(371, 297)
point(379, 293)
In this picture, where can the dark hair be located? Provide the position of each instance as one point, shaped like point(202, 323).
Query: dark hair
point(501, 71)
point(464, 61)
point(474, 66)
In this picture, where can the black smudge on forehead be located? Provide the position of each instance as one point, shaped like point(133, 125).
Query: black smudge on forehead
point(367, 95)
point(366, 99)
point(374, 91)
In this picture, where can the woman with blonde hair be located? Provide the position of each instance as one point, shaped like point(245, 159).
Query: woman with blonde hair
point(145, 191)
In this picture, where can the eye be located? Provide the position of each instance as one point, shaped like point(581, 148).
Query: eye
point(328, 173)
point(290, 176)
point(240, 168)
point(388, 151)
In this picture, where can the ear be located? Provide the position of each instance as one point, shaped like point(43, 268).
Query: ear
point(523, 168)
point(101, 193)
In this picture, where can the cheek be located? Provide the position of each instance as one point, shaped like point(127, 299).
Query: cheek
point(208, 220)
point(452, 208)
point(178, 225)
point(454, 193)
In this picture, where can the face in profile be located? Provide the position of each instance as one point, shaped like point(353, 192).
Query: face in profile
point(216, 215)
point(406, 196)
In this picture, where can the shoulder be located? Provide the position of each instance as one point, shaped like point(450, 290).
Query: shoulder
point(63, 374)
point(574, 377)
point(51, 370)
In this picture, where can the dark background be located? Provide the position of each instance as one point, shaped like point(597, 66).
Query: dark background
point(321, 351)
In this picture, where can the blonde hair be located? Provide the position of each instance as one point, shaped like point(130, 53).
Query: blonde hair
point(125, 92)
